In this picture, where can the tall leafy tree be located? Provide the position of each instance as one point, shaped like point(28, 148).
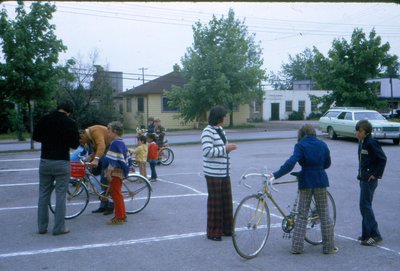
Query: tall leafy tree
point(299, 67)
point(31, 49)
point(223, 66)
point(88, 86)
point(349, 65)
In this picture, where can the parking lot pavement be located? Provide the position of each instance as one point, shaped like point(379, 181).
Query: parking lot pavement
point(170, 233)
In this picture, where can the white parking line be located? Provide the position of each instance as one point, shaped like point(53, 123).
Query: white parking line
point(20, 160)
point(111, 244)
point(18, 169)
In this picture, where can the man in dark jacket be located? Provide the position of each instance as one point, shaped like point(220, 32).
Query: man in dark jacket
point(57, 133)
point(372, 162)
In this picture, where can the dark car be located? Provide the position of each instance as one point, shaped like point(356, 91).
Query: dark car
point(394, 114)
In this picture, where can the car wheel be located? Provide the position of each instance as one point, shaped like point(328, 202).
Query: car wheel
point(396, 141)
point(331, 133)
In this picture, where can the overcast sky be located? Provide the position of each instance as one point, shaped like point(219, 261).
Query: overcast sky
point(129, 36)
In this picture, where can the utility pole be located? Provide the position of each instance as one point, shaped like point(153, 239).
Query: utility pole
point(391, 95)
point(143, 69)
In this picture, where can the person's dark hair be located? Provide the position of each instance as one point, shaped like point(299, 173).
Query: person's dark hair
point(151, 136)
point(67, 106)
point(142, 138)
point(365, 125)
point(116, 127)
point(305, 130)
point(217, 114)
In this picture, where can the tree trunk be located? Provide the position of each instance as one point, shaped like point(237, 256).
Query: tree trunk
point(18, 123)
point(231, 119)
point(30, 106)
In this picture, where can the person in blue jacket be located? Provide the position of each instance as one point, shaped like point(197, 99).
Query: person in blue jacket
point(372, 162)
point(313, 155)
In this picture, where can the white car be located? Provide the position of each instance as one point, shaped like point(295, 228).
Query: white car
point(341, 121)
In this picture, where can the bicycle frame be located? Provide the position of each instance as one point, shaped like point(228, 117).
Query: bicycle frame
point(266, 191)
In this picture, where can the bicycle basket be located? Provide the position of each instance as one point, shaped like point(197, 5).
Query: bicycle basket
point(77, 169)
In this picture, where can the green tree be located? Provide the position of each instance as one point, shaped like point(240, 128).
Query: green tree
point(349, 65)
point(31, 49)
point(299, 67)
point(223, 67)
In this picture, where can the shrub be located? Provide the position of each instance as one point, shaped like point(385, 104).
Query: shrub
point(296, 115)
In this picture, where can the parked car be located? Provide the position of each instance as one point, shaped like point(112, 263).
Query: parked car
point(341, 121)
point(395, 113)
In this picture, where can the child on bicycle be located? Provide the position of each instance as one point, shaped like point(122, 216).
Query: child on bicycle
point(159, 130)
point(141, 155)
point(152, 156)
point(118, 162)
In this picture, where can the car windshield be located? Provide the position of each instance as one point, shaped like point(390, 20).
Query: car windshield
point(368, 116)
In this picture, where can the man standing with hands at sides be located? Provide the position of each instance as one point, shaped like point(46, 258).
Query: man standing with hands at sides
point(372, 162)
point(99, 140)
point(58, 133)
point(216, 168)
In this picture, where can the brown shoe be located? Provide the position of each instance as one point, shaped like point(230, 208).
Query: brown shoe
point(62, 232)
point(333, 251)
point(115, 221)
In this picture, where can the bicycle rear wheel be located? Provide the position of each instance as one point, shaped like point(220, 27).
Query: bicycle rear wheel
point(166, 156)
point(251, 225)
point(136, 190)
point(77, 199)
point(313, 231)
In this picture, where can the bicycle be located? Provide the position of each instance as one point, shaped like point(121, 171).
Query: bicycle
point(136, 190)
point(251, 222)
point(165, 155)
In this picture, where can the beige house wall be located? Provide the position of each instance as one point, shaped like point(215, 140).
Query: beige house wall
point(154, 104)
point(240, 117)
point(168, 119)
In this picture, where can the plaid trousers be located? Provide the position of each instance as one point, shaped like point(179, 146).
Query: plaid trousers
point(219, 206)
point(321, 202)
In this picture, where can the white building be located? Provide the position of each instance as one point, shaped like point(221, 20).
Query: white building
point(278, 104)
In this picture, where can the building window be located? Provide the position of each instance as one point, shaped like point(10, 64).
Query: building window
point(166, 107)
point(128, 105)
point(140, 104)
point(314, 106)
point(302, 106)
point(289, 106)
point(256, 107)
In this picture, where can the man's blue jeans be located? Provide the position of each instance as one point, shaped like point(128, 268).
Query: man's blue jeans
point(369, 224)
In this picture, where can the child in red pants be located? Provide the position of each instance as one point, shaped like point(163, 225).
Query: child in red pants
point(118, 161)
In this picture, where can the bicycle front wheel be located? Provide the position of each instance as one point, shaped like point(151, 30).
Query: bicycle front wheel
point(166, 156)
point(251, 225)
point(313, 231)
point(77, 199)
point(136, 191)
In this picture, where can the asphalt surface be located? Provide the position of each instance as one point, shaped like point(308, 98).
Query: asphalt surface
point(170, 233)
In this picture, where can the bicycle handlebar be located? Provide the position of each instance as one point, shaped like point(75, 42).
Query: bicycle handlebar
point(269, 180)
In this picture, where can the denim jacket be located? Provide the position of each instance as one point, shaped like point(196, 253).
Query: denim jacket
point(313, 155)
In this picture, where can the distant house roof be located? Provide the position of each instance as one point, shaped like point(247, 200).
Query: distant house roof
point(157, 86)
